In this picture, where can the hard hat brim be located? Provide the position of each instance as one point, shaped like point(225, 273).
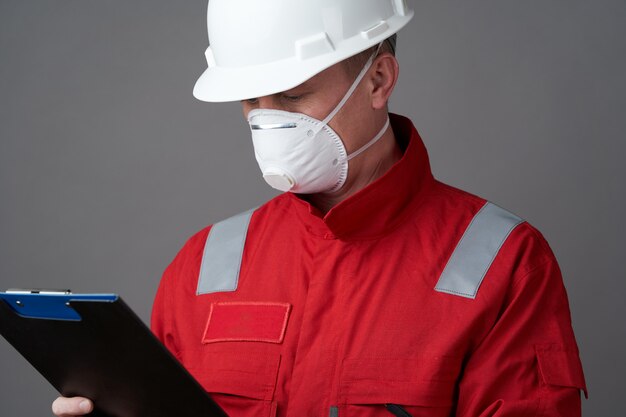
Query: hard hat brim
point(219, 84)
point(223, 84)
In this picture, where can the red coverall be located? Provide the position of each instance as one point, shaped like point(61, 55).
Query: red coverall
point(338, 315)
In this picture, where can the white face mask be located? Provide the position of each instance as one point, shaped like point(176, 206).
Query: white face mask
point(301, 154)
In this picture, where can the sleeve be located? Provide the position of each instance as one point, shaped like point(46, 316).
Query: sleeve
point(161, 321)
point(180, 276)
point(528, 363)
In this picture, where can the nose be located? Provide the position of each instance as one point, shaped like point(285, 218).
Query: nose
point(269, 102)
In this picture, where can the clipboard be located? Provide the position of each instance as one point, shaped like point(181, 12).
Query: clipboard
point(95, 346)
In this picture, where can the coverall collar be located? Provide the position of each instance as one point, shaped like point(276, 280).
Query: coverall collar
point(381, 206)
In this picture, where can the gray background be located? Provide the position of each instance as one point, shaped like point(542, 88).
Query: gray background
point(107, 163)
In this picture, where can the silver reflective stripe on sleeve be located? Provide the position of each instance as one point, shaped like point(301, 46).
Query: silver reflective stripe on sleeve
point(221, 260)
point(476, 250)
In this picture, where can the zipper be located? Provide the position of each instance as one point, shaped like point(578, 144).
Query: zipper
point(394, 409)
point(397, 411)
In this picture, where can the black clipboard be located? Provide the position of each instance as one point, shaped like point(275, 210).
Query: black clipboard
point(93, 345)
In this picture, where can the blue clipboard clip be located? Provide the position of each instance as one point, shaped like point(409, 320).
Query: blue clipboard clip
point(49, 304)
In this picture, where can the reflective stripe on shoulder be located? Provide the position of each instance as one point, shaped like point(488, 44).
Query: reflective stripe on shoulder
point(476, 250)
point(221, 260)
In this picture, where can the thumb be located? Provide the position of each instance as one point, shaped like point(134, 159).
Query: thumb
point(67, 407)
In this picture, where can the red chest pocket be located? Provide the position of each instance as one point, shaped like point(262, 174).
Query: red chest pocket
point(423, 386)
point(237, 356)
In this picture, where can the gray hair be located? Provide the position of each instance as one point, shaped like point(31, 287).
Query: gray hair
point(355, 63)
point(391, 42)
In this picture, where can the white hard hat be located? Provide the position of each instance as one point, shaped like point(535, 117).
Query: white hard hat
point(262, 47)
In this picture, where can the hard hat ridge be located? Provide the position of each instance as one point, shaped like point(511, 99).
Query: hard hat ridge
point(260, 48)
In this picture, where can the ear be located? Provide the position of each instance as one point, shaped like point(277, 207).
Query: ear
point(383, 76)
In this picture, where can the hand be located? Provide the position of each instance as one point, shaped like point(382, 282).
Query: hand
point(68, 407)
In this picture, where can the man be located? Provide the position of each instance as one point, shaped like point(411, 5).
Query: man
point(368, 288)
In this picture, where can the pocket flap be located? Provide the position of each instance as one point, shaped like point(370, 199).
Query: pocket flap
point(246, 322)
point(423, 381)
point(560, 366)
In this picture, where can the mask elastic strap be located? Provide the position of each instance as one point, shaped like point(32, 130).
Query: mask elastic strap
point(353, 87)
point(370, 143)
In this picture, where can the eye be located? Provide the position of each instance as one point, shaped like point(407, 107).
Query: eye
point(292, 98)
point(251, 101)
